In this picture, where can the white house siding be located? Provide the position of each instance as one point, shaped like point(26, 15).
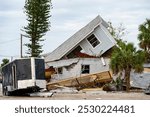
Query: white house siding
point(105, 42)
point(74, 70)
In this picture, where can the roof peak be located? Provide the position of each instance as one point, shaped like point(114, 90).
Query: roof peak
point(76, 38)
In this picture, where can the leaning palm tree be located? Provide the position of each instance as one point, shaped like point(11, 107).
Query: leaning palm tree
point(124, 59)
point(144, 38)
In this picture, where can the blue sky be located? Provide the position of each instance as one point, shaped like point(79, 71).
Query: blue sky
point(68, 16)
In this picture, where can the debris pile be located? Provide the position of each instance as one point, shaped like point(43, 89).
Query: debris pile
point(85, 81)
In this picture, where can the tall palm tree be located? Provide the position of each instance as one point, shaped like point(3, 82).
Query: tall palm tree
point(124, 59)
point(144, 38)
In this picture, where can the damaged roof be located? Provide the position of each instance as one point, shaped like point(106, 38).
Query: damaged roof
point(74, 40)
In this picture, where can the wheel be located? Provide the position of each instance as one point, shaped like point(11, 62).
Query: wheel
point(6, 92)
point(4, 88)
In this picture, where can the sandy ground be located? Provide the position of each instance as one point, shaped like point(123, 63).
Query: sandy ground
point(84, 95)
point(103, 96)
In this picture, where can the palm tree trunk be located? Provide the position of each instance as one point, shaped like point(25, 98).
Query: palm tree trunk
point(127, 77)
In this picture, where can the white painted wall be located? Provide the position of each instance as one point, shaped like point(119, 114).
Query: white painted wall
point(96, 66)
point(105, 39)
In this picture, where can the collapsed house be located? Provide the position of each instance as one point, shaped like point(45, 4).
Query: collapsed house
point(86, 52)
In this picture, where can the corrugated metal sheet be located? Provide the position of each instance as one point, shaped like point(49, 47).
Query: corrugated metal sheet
point(72, 42)
point(146, 65)
point(140, 80)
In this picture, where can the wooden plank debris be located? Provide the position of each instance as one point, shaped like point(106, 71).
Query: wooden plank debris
point(82, 81)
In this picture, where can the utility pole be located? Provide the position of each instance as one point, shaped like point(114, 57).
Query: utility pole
point(21, 37)
point(21, 45)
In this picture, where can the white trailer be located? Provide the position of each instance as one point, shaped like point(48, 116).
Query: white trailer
point(23, 76)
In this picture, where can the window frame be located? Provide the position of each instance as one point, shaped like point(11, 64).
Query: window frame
point(91, 42)
point(84, 70)
point(59, 70)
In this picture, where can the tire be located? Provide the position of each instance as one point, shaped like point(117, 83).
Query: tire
point(6, 92)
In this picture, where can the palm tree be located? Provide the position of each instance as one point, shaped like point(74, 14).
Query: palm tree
point(124, 59)
point(144, 38)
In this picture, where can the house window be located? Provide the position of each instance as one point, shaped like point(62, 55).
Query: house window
point(85, 69)
point(59, 70)
point(93, 40)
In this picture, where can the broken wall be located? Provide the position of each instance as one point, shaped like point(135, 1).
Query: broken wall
point(96, 65)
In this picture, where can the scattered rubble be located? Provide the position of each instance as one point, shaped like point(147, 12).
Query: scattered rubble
point(42, 94)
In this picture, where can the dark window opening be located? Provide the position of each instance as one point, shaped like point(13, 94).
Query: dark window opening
point(59, 70)
point(85, 69)
point(40, 69)
point(72, 54)
point(93, 40)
